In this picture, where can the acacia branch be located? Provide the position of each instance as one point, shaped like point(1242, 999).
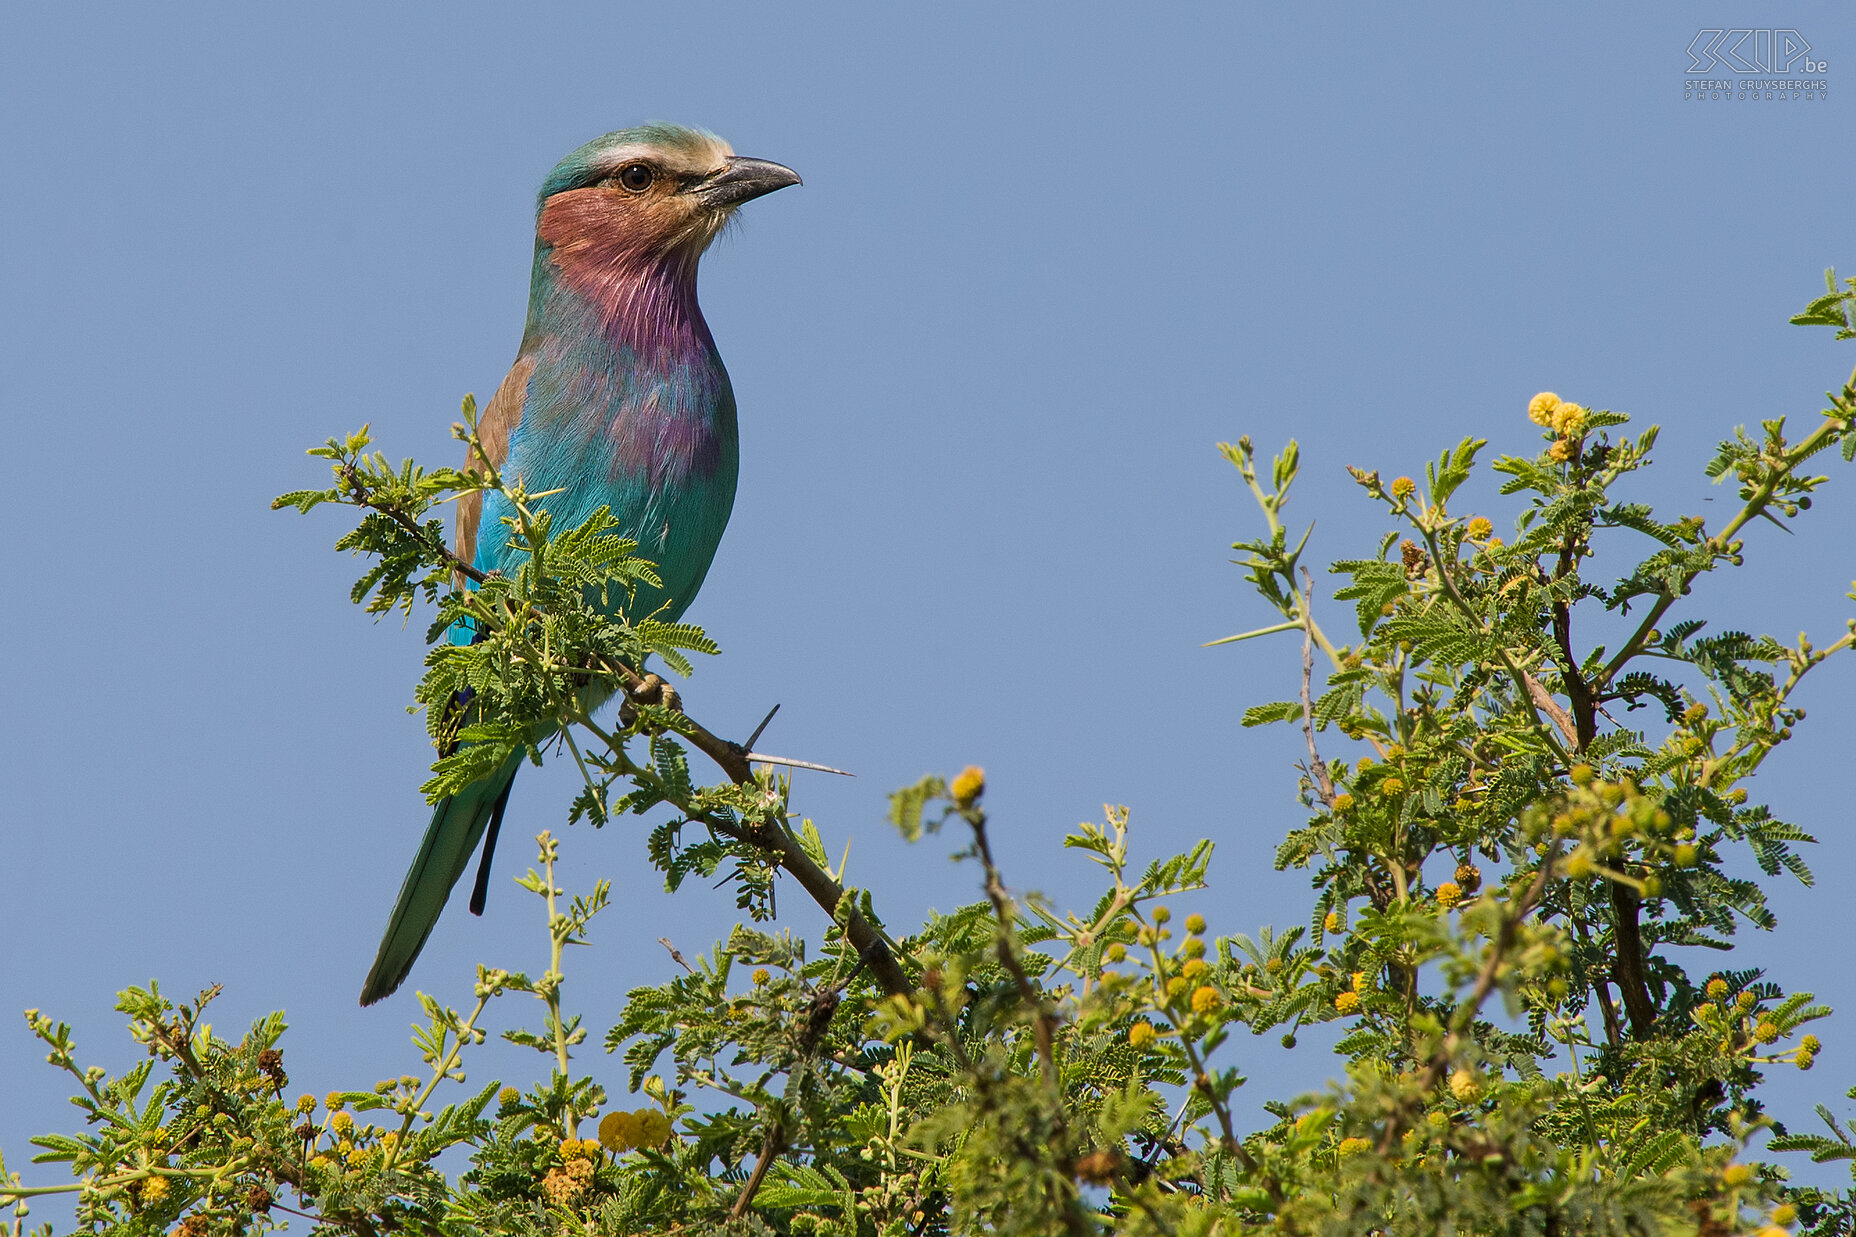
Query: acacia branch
point(1633, 983)
point(818, 1018)
point(1720, 543)
point(731, 757)
point(1515, 673)
point(785, 849)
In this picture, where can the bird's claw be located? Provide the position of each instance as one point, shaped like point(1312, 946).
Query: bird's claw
point(651, 689)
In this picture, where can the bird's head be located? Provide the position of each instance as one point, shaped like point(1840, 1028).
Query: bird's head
point(646, 194)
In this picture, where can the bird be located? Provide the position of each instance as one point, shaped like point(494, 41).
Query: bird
point(617, 398)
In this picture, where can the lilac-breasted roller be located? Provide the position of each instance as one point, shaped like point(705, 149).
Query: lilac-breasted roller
point(617, 398)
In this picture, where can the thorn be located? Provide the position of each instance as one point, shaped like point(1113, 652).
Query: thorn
point(765, 759)
point(755, 737)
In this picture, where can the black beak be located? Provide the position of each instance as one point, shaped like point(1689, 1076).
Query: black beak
point(742, 180)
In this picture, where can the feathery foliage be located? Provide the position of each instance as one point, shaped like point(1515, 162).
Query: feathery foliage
point(1528, 821)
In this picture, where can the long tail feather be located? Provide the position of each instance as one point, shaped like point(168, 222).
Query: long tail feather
point(458, 823)
point(481, 893)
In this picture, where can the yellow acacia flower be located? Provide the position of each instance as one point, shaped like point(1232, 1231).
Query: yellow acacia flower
point(1162, 914)
point(1560, 451)
point(618, 1131)
point(1195, 923)
point(653, 1127)
point(154, 1189)
point(1333, 922)
point(321, 1161)
point(1116, 952)
point(1717, 989)
point(1766, 1032)
point(1784, 1213)
point(969, 786)
point(508, 1095)
point(761, 975)
point(1568, 420)
point(334, 1101)
point(341, 1123)
point(1353, 1146)
point(1736, 1175)
point(1449, 894)
point(1392, 786)
point(1404, 487)
point(306, 1103)
point(1343, 802)
point(1175, 985)
point(1195, 968)
point(1205, 999)
point(1141, 1034)
point(580, 1170)
point(1347, 1003)
point(1810, 1043)
point(1464, 1086)
point(1540, 408)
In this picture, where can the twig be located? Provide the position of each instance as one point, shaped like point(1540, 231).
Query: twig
point(1317, 768)
point(1491, 969)
point(1043, 1024)
point(363, 497)
point(1551, 707)
point(818, 1018)
point(674, 955)
point(770, 1145)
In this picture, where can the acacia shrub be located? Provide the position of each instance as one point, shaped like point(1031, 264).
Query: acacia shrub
point(1533, 824)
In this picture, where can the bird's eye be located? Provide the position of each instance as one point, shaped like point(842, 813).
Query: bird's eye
point(635, 177)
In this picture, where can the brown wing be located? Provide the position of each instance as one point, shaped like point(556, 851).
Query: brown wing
point(498, 422)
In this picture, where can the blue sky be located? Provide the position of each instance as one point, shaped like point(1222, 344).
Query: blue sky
point(1044, 258)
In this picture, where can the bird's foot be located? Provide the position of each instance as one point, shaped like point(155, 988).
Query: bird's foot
point(652, 689)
